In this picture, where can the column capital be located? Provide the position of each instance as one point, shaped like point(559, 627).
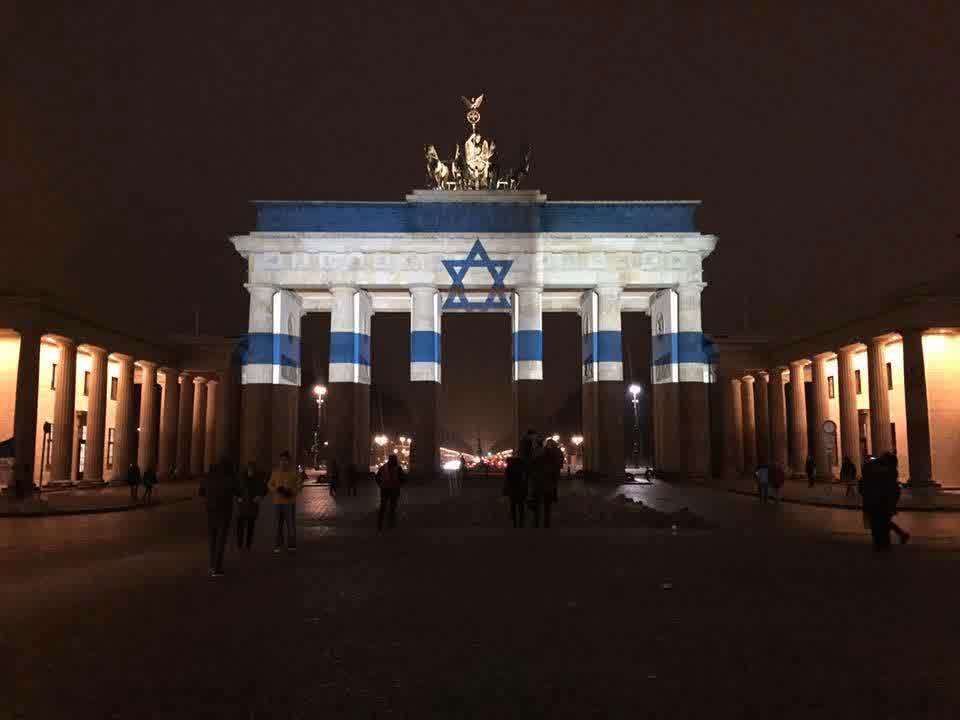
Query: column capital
point(259, 287)
point(799, 363)
point(422, 287)
point(148, 364)
point(121, 358)
point(881, 339)
point(94, 350)
point(828, 355)
point(609, 290)
point(747, 379)
point(691, 288)
point(62, 341)
point(168, 370)
point(199, 380)
point(762, 376)
point(185, 376)
point(851, 348)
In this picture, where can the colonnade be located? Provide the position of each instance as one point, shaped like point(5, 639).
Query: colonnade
point(271, 373)
point(175, 431)
point(771, 416)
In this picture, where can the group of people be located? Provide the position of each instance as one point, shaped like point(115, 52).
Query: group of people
point(148, 478)
point(879, 488)
point(226, 491)
point(531, 479)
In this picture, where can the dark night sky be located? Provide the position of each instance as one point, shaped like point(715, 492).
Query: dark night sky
point(822, 141)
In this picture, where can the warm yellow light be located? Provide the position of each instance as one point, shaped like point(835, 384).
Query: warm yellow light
point(934, 343)
point(635, 390)
point(555, 437)
point(577, 440)
point(380, 440)
point(319, 390)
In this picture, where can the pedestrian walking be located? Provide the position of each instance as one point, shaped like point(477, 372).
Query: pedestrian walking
point(811, 469)
point(333, 483)
point(149, 480)
point(880, 491)
point(285, 485)
point(516, 490)
point(250, 490)
point(544, 472)
point(133, 480)
point(217, 488)
point(390, 477)
point(762, 474)
point(848, 475)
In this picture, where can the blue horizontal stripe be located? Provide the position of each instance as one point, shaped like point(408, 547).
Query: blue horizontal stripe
point(683, 347)
point(424, 346)
point(430, 217)
point(349, 347)
point(602, 346)
point(270, 349)
point(527, 345)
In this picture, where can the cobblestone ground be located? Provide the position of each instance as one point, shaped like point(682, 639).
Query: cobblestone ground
point(766, 612)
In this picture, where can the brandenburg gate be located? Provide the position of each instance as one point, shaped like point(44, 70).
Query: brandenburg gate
point(473, 241)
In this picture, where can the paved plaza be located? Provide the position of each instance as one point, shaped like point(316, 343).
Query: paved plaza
point(741, 610)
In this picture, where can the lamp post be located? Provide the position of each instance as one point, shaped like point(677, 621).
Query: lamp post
point(320, 391)
point(577, 441)
point(636, 390)
point(381, 441)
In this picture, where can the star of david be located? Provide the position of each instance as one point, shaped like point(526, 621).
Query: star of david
point(477, 258)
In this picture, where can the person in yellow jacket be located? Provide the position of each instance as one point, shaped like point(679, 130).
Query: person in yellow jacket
point(285, 486)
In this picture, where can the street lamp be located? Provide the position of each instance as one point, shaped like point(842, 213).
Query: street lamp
point(320, 391)
point(381, 441)
point(577, 441)
point(636, 390)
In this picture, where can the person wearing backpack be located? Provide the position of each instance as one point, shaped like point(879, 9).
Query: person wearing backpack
point(390, 477)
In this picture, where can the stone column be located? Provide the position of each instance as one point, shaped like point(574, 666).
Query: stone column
point(147, 446)
point(917, 411)
point(185, 425)
point(778, 419)
point(257, 378)
point(603, 391)
point(527, 326)
point(694, 372)
point(798, 416)
point(734, 429)
point(348, 398)
point(849, 422)
point(169, 413)
point(425, 379)
point(63, 415)
point(25, 410)
point(821, 413)
point(198, 425)
point(762, 405)
point(123, 433)
point(880, 439)
point(749, 424)
point(210, 438)
point(96, 414)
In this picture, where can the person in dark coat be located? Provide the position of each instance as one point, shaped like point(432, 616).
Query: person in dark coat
point(515, 488)
point(390, 477)
point(848, 474)
point(217, 488)
point(881, 493)
point(546, 466)
point(890, 461)
point(251, 489)
point(811, 470)
point(149, 480)
point(133, 480)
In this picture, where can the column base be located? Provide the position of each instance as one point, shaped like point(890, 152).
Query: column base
point(256, 447)
point(425, 451)
point(348, 426)
point(603, 430)
point(527, 409)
